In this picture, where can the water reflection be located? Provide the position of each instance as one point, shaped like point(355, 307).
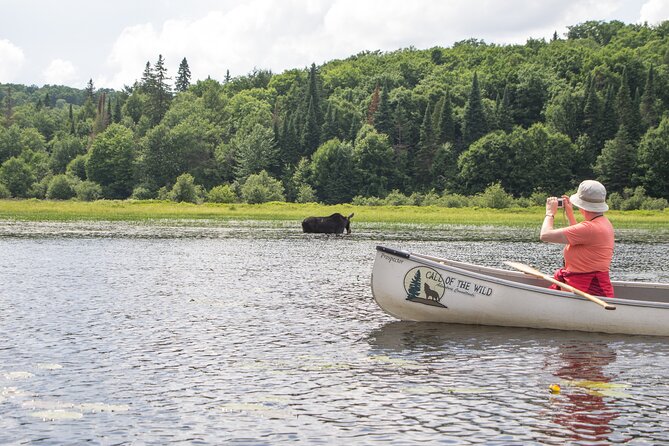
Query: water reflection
point(582, 408)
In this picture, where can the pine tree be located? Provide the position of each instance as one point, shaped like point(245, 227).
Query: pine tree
point(227, 77)
point(625, 108)
point(47, 100)
point(162, 94)
point(313, 97)
point(426, 150)
point(383, 120)
point(116, 117)
point(311, 131)
point(592, 112)
point(616, 165)
point(649, 104)
point(148, 81)
point(504, 117)
point(183, 76)
point(609, 124)
point(446, 130)
point(330, 127)
point(414, 287)
point(474, 125)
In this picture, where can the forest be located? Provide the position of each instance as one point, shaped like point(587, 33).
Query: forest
point(525, 120)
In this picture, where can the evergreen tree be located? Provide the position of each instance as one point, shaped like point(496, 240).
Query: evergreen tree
point(650, 104)
point(311, 131)
point(504, 116)
point(654, 160)
point(426, 150)
point(8, 107)
point(330, 128)
point(592, 112)
point(625, 110)
point(227, 77)
point(383, 120)
point(148, 81)
point(183, 76)
point(616, 165)
point(160, 99)
point(313, 97)
point(117, 114)
point(474, 125)
point(47, 100)
point(414, 287)
point(608, 122)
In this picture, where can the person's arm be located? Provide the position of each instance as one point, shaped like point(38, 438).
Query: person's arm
point(548, 234)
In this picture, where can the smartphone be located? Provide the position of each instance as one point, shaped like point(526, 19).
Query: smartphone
point(560, 202)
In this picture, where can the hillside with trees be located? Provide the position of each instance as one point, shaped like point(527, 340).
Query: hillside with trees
point(530, 119)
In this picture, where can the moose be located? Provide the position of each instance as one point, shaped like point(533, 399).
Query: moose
point(334, 224)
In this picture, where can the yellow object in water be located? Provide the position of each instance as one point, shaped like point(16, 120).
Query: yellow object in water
point(554, 388)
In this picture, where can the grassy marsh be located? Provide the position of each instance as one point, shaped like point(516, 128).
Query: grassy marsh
point(131, 210)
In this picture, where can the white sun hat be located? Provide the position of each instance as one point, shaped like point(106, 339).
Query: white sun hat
point(591, 196)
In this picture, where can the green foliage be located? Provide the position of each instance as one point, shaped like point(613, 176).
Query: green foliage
point(494, 197)
point(110, 161)
point(77, 167)
point(633, 199)
point(60, 188)
point(333, 172)
point(261, 188)
point(306, 194)
point(4, 192)
point(654, 160)
point(185, 189)
point(223, 193)
point(87, 190)
point(17, 176)
point(142, 192)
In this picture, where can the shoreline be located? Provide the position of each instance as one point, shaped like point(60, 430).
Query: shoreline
point(151, 210)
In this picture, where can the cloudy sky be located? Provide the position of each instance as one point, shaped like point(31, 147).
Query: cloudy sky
point(70, 41)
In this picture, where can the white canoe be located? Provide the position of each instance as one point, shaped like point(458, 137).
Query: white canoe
point(416, 287)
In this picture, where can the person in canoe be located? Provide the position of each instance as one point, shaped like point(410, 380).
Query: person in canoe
point(589, 244)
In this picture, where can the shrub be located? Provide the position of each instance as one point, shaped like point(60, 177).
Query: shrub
point(142, 193)
point(222, 194)
point(163, 193)
point(494, 197)
point(60, 188)
point(4, 192)
point(39, 188)
point(431, 199)
point(17, 176)
point(654, 204)
point(88, 190)
point(306, 194)
point(359, 200)
point(454, 201)
point(615, 201)
point(397, 198)
point(184, 189)
point(261, 188)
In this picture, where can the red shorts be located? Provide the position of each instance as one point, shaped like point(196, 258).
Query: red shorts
point(596, 283)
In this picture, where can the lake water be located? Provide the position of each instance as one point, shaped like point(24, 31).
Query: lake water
point(254, 334)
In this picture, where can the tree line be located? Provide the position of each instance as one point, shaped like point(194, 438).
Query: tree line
point(533, 119)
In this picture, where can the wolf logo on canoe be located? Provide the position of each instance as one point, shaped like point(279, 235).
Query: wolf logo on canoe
point(424, 285)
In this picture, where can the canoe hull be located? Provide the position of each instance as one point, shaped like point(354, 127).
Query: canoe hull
point(420, 288)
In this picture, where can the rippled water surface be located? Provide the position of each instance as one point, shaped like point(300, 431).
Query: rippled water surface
point(256, 334)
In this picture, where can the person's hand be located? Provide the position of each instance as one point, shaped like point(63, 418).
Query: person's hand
point(551, 206)
point(567, 204)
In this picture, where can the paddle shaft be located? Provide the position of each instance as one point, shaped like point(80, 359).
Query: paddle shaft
point(529, 270)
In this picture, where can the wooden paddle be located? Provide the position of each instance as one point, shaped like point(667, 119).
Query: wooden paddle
point(534, 272)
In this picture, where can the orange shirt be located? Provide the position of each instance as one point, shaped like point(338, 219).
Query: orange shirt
point(590, 246)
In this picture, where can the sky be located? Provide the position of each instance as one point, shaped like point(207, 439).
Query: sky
point(68, 42)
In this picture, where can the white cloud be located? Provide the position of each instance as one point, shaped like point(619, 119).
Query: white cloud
point(654, 11)
point(12, 58)
point(60, 72)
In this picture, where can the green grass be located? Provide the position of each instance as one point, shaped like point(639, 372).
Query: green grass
point(130, 210)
